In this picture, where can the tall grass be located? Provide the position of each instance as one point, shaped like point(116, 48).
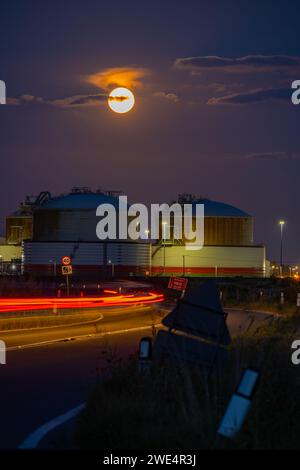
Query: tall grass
point(46, 318)
point(178, 407)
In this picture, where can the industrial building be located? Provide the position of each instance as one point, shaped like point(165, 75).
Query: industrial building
point(228, 250)
point(49, 228)
point(66, 226)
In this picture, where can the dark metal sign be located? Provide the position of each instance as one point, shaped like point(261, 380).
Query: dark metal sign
point(197, 330)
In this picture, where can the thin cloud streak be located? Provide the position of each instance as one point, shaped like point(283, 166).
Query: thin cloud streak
point(246, 64)
point(272, 156)
point(76, 101)
point(253, 96)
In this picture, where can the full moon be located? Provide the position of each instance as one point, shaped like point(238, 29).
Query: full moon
point(121, 100)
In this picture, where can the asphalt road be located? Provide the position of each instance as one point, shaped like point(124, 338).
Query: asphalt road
point(40, 383)
point(108, 319)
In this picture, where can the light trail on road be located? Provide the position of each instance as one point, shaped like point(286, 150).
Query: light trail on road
point(41, 303)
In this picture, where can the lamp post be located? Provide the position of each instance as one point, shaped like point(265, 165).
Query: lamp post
point(164, 241)
point(112, 268)
point(281, 224)
point(53, 263)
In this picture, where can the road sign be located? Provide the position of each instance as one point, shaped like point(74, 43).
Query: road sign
point(198, 313)
point(177, 283)
point(66, 270)
point(185, 349)
point(66, 260)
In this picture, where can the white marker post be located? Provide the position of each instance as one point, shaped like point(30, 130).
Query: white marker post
point(239, 404)
point(145, 355)
point(2, 352)
point(282, 298)
point(261, 293)
point(2, 92)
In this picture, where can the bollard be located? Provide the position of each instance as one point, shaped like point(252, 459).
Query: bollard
point(2, 352)
point(145, 356)
point(282, 298)
point(261, 293)
point(239, 404)
point(298, 301)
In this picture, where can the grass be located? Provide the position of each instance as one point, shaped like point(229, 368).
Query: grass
point(46, 318)
point(176, 408)
point(266, 306)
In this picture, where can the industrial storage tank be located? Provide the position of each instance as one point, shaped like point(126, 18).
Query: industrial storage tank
point(228, 249)
point(224, 225)
point(71, 217)
point(66, 226)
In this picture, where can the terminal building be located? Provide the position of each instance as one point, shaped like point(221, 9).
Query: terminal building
point(229, 248)
point(49, 228)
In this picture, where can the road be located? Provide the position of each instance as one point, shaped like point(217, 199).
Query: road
point(39, 383)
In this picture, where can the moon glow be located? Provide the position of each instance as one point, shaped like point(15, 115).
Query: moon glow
point(121, 100)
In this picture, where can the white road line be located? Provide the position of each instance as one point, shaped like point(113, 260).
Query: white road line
point(68, 324)
point(33, 440)
point(69, 338)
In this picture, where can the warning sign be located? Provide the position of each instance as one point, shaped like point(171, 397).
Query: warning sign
point(66, 270)
point(178, 283)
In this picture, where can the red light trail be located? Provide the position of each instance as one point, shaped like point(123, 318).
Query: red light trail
point(41, 303)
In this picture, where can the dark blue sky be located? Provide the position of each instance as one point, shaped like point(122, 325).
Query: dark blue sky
point(213, 114)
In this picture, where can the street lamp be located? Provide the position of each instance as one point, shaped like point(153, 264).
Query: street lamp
point(53, 263)
point(112, 268)
point(164, 241)
point(281, 224)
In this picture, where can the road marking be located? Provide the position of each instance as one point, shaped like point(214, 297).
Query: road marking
point(33, 440)
point(69, 338)
point(118, 310)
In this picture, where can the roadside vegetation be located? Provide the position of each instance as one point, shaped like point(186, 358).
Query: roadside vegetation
point(46, 318)
point(177, 408)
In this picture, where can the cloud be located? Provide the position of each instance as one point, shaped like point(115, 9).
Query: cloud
point(129, 77)
point(167, 96)
point(246, 64)
point(253, 96)
point(118, 98)
point(76, 101)
point(79, 101)
point(272, 156)
point(25, 99)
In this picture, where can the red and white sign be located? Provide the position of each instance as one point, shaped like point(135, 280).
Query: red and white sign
point(66, 261)
point(178, 283)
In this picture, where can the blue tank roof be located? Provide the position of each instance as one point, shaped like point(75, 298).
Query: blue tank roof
point(90, 201)
point(220, 209)
point(81, 201)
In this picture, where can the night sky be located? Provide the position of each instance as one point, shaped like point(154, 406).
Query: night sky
point(213, 114)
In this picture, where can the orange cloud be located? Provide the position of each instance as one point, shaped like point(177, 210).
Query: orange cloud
point(118, 76)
